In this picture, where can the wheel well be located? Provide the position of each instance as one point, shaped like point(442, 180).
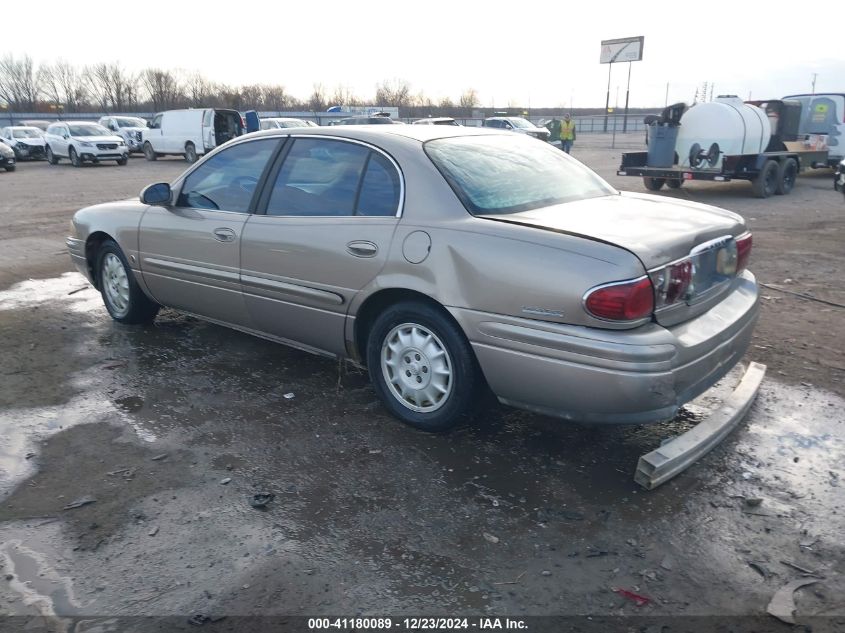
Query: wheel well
point(377, 303)
point(92, 248)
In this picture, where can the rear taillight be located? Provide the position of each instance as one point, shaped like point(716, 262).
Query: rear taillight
point(743, 251)
point(621, 301)
point(673, 283)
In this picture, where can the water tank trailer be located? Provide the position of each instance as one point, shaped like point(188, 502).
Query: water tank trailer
point(722, 140)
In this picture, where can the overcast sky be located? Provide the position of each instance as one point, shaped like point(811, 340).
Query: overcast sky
point(537, 53)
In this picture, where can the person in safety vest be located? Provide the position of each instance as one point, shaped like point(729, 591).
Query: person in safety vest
point(567, 133)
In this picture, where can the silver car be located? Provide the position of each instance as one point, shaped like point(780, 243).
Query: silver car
point(448, 260)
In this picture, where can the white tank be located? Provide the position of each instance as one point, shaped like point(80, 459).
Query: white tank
point(736, 127)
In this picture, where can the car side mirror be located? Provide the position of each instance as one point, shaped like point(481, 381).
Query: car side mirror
point(157, 194)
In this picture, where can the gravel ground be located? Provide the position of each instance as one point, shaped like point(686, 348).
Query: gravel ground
point(167, 431)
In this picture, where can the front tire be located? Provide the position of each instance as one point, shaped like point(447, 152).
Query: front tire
point(422, 366)
point(123, 298)
point(10, 167)
point(74, 158)
point(653, 184)
point(122, 161)
point(51, 157)
point(190, 152)
point(149, 152)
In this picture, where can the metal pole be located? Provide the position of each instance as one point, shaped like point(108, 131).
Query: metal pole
point(814, 82)
point(666, 103)
point(627, 94)
point(607, 101)
point(613, 143)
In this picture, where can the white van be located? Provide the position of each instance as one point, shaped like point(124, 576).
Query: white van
point(823, 122)
point(190, 133)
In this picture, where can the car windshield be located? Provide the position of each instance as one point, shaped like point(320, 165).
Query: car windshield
point(508, 174)
point(292, 123)
point(25, 133)
point(131, 122)
point(522, 123)
point(90, 129)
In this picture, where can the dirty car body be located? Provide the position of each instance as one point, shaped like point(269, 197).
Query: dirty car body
point(448, 261)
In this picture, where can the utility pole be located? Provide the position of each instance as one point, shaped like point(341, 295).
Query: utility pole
point(607, 100)
point(666, 102)
point(814, 82)
point(627, 94)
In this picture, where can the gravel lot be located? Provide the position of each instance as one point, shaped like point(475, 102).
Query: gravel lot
point(517, 515)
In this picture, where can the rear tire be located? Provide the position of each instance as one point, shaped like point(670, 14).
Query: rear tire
point(674, 183)
point(190, 152)
point(51, 157)
point(123, 298)
point(10, 167)
point(653, 184)
point(765, 184)
point(787, 172)
point(74, 158)
point(149, 152)
point(422, 367)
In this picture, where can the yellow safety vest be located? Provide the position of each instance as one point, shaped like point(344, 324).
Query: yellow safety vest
point(567, 130)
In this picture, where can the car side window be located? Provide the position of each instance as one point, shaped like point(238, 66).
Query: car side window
point(379, 189)
point(227, 180)
point(319, 177)
point(156, 124)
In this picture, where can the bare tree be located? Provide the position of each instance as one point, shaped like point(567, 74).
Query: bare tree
point(396, 92)
point(252, 96)
point(162, 88)
point(343, 96)
point(446, 103)
point(19, 83)
point(317, 100)
point(198, 89)
point(469, 99)
point(64, 86)
point(275, 98)
point(111, 86)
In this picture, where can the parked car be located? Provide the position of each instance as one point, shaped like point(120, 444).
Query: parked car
point(445, 259)
point(284, 122)
point(517, 124)
point(839, 177)
point(191, 133)
point(437, 120)
point(7, 157)
point(27, 142)
point(38, 123)
point(373, 119)
point(129, 128)
point(81, 142)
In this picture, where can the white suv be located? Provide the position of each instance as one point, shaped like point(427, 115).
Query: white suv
point(517, 124)
point(129, 128)
point(80, 142)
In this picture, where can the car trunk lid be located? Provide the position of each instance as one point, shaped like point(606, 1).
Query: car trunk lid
point(659, 231)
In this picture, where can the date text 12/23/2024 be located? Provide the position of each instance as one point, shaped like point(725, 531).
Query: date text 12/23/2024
point(416, 624)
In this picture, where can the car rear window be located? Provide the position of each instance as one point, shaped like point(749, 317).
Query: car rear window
point(512, 173)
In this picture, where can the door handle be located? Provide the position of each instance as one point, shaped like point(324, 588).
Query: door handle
point(223, 234)
point(362, 249)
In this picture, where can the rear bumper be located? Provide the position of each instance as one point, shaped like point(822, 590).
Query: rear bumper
point(611, 376)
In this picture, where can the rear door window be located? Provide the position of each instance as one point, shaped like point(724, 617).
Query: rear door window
point(324, 178)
